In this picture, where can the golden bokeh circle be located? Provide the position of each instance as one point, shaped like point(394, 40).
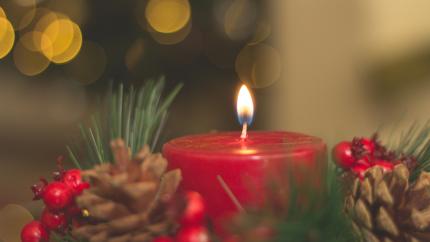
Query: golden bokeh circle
point(60, 36)
point(19, 15)
point(12, 220)
point(7, 37)
point(239, 19)
point(262, 32)
point(26, 3)
point(47, 17)
point(28, 60)
point(76, 10)
point(2, 13)
point(38, 15)
point(89, 65)
point(44, 18)
point(32, 41)
point(168, 16)
point(258, 65)
point(73, 49)
point(172, 38)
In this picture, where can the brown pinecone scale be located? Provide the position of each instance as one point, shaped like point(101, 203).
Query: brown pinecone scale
point(127, 200)
point(386, 207)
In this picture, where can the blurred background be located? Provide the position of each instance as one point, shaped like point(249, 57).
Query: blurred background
point(334, 69)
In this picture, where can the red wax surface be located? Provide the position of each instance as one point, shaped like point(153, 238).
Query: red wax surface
point(244, 165)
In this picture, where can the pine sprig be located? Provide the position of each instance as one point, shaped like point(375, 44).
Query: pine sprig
point(414, 142)
point(316, 214)
point(308, 212)
point(135, 115)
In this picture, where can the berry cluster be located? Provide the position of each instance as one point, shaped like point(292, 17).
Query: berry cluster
point(60, 211)
point(192, 221)
point(360, 154)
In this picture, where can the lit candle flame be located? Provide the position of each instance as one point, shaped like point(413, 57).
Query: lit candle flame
point(245, 109)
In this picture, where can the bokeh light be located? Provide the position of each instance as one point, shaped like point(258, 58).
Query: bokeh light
point(20, 15)
point(26, 3)
point(89, 65)
point(28, 40)
point(134, 54)
point(262, 32)
point(7, 37)
point(2, 13)
point(240, 19)
point(60, 36)
point(35, 18)
point(27, 57)
point(50, 37)
point(44, 17)
point(258, 65)
point(76, 10)
point(73, 48)
point(172, 38)
point(168, 16)
point(12, 219)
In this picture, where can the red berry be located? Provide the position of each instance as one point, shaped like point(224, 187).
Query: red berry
point(34, 232)
point(343, 156)
point(386, 165)
point(360, 170)
point(163, 239)
point(363, 162)
point(39, 188)
point(193, 234)
point(195, 210)
point(368, 145)
point(53, 220)
point(73, 179)
point(57, 196)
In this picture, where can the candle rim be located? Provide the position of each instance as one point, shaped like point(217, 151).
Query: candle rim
point(280, 150)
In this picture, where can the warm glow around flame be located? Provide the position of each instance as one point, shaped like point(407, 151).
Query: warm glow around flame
point(245, 106)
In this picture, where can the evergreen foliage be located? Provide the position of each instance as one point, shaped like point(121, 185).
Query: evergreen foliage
point(135, 115)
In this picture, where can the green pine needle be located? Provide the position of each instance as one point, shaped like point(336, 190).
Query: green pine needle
point(320, 218)
point(414, 141)
point(135, 115)
point(310, 213)
point(73, 157)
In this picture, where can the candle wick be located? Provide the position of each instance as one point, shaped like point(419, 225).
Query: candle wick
point(244, 131)
point(230, 194)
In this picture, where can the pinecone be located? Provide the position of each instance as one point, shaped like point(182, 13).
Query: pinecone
point(386, 207)
point(127, 201)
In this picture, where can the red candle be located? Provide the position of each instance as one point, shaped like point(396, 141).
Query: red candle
point(231, 169)
point(241, 164)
